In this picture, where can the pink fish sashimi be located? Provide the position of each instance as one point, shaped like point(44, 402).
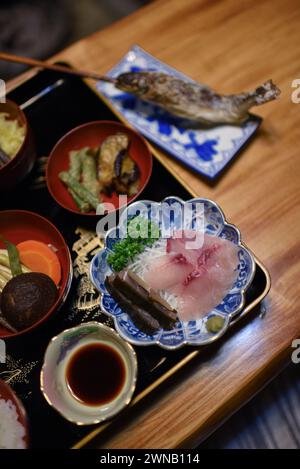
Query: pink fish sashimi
point(167, 271)
point(187, 243)
point(199, 277)
point(212, 278)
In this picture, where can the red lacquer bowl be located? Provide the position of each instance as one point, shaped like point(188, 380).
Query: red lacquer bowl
point(92, 134)
point(8, 394)
point(22, 163)
point(20, 225)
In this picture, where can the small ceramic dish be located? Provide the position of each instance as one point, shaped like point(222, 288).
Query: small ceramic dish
point(22, 163)
point(184, 332)
point(20, 225)
point(92, 134)
point(54, 385)
point(8, 395)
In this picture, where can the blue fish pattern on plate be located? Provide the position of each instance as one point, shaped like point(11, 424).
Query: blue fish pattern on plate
point(192, 332)
point(205, 150)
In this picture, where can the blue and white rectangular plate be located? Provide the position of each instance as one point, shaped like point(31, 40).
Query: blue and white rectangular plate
point(205, 150)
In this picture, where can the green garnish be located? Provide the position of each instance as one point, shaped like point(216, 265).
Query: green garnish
point(214, 324)
point(140, 233)
point(141, 228)
point(14, 259)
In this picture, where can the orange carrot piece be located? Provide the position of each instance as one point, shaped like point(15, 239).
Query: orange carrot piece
point(38, 257)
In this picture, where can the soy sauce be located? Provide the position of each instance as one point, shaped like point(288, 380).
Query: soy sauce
point(96, 374)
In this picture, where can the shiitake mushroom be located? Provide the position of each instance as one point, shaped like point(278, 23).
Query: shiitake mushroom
point(27, 298)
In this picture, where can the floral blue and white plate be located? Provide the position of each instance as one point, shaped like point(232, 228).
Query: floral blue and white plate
point(191, 332)
point(205, 150)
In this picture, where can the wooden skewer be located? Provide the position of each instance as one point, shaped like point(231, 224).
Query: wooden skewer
point(55, 68)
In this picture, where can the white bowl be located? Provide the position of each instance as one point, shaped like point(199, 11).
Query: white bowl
point(53, 374)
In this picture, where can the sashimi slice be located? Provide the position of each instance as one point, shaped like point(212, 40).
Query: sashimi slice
point(187, 243)
point(206, 286)
point(197, 300)
point(199, 269)
point(167, 271)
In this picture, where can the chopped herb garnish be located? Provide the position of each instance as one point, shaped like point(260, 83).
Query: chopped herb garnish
point(140, 233)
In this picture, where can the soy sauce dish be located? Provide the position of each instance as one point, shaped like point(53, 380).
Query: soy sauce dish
point(89, 373)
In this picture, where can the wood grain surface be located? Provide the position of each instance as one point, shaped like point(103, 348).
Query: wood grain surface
point(233, 46)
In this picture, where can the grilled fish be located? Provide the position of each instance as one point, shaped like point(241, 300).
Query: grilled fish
point(192, 100)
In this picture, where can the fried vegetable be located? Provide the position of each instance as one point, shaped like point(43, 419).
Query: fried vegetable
point(119, 161)
point(133, 188)
point(81, 191)
point(89, 172)
point(75, 164)
point(129, 170)
point(109, 152)
point(83, 206)
point(127, 175)
point(75, 170)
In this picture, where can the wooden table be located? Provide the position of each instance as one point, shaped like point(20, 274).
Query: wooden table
point(233, 46)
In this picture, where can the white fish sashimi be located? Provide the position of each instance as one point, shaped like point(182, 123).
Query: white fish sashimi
point(199, 278)
point(167, 271)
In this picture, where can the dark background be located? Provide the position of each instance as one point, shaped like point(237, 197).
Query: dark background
point(39, 28)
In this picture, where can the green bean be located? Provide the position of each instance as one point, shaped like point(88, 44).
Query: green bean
point(79, 189)
point(13, 255)
point(81, 204)
point(75, 164)
point(89, 172)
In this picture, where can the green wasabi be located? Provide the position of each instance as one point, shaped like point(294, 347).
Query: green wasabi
point(214, 324)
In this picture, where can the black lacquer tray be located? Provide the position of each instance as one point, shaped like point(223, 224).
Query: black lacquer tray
point(55, 104)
